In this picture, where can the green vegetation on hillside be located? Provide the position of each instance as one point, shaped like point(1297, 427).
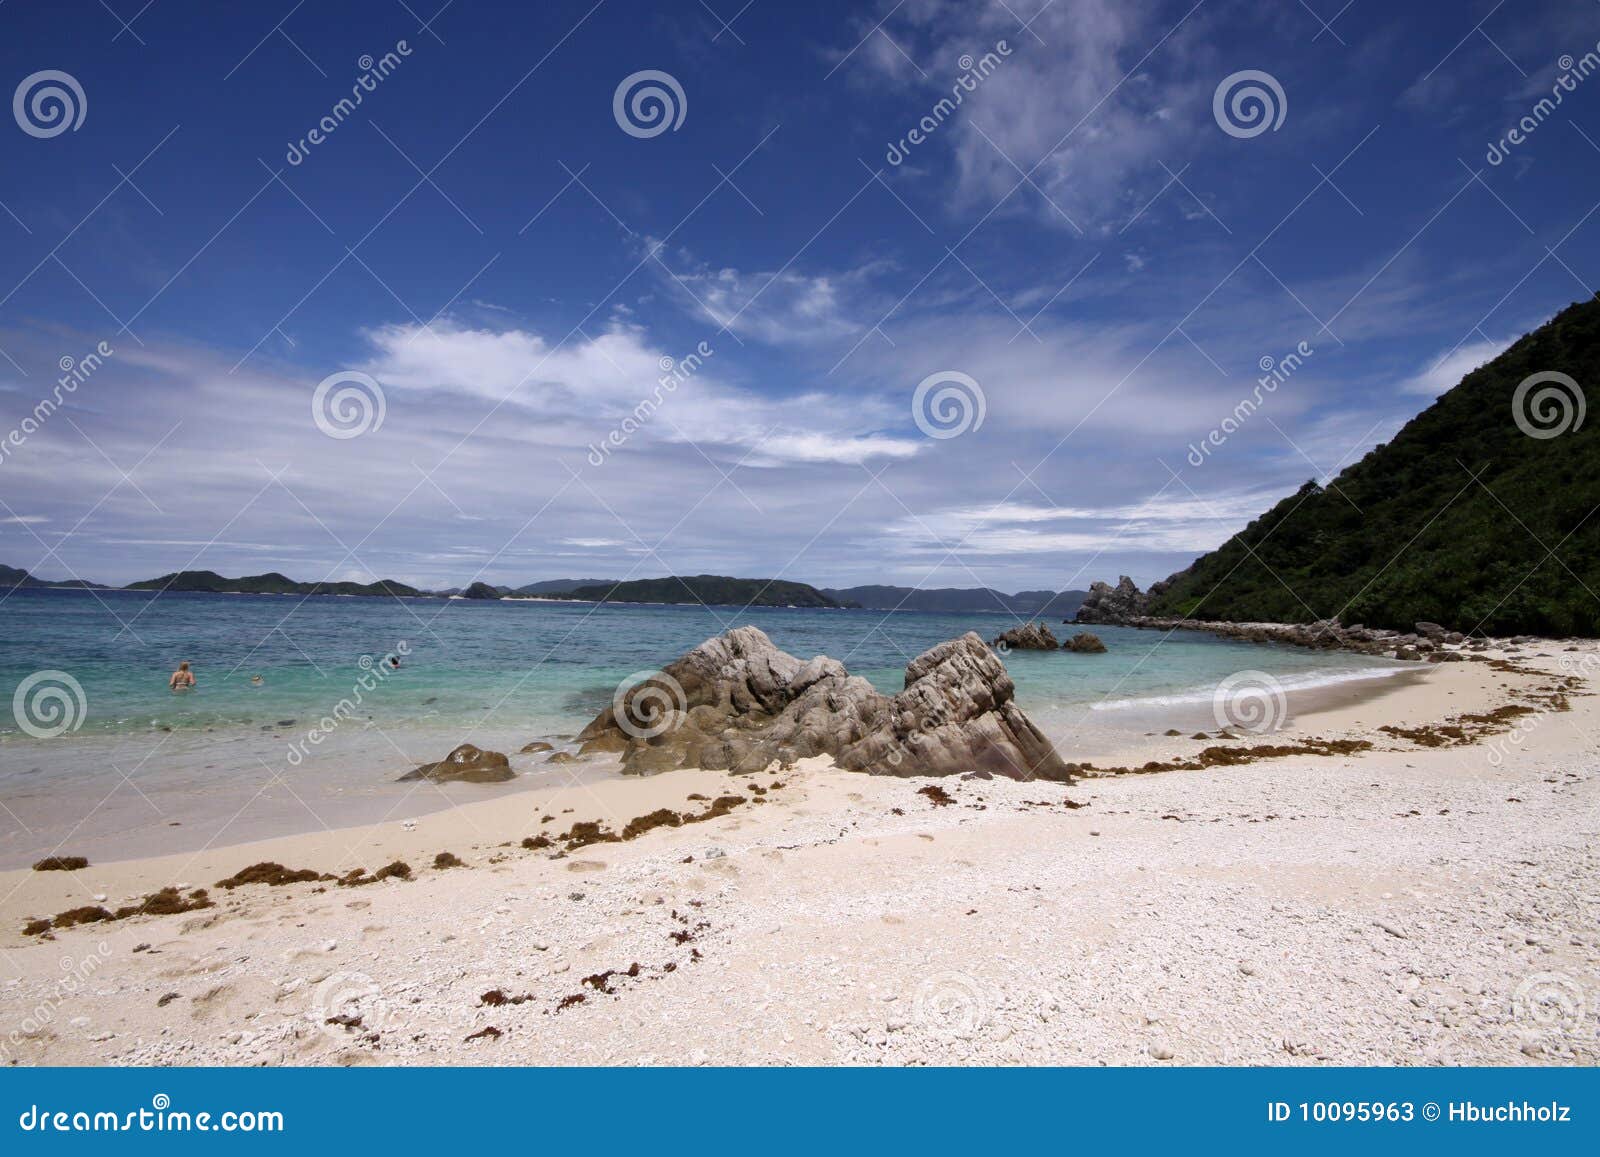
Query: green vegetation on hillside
point(704, 588)
point(1463, 519)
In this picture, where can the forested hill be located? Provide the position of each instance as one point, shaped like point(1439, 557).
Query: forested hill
point(1480, 514)
point(712, 590)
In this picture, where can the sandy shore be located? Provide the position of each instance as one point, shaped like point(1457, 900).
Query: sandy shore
point(1408, 904)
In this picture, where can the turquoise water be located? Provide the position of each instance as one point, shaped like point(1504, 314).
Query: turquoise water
point(496, 673)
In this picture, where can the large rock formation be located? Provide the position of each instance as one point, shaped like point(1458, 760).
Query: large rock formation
point(1085, 643)
point(466, 764)
point(737, 702)
point(1034, 636)
point(1112, 604)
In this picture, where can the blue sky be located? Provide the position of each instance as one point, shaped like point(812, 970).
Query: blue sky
point(1081, 240)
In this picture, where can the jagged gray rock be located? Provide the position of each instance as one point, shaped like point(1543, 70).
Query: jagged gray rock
point(1107, 604)
point(1034, 636)
point(737, 702)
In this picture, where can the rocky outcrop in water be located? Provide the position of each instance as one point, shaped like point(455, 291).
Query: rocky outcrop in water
point(1034, 636)
point(1085, 643)
point(466, 764)
point(737, 702)
point(1113, 604)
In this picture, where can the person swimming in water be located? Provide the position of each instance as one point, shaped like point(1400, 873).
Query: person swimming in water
point(183, 678)
point(256, 680)
point(394, 662)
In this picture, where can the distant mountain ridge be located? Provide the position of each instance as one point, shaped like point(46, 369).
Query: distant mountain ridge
point(956, 600)
point(710, 589)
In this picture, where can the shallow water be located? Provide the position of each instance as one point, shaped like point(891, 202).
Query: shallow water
point(234, 757)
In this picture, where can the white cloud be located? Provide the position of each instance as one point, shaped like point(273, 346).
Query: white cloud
point(1062, 105)
point(1450, 367)
point(1166, 523)
point(585, 389)
point(781, 307)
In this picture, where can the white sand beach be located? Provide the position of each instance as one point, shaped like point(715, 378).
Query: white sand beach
point(1403, 905)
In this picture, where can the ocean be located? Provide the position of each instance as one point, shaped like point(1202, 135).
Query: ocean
point(97, 753)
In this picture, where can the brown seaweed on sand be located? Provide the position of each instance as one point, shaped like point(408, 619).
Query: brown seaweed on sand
point(271, 873)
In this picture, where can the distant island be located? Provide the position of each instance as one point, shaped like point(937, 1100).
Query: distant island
point(271, 583)
point(11, 576)
point(713, 590)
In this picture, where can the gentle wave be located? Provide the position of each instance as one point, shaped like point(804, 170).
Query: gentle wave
point(1305, 681)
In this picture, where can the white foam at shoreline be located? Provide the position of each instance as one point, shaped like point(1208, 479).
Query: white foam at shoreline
point(1307, 681)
